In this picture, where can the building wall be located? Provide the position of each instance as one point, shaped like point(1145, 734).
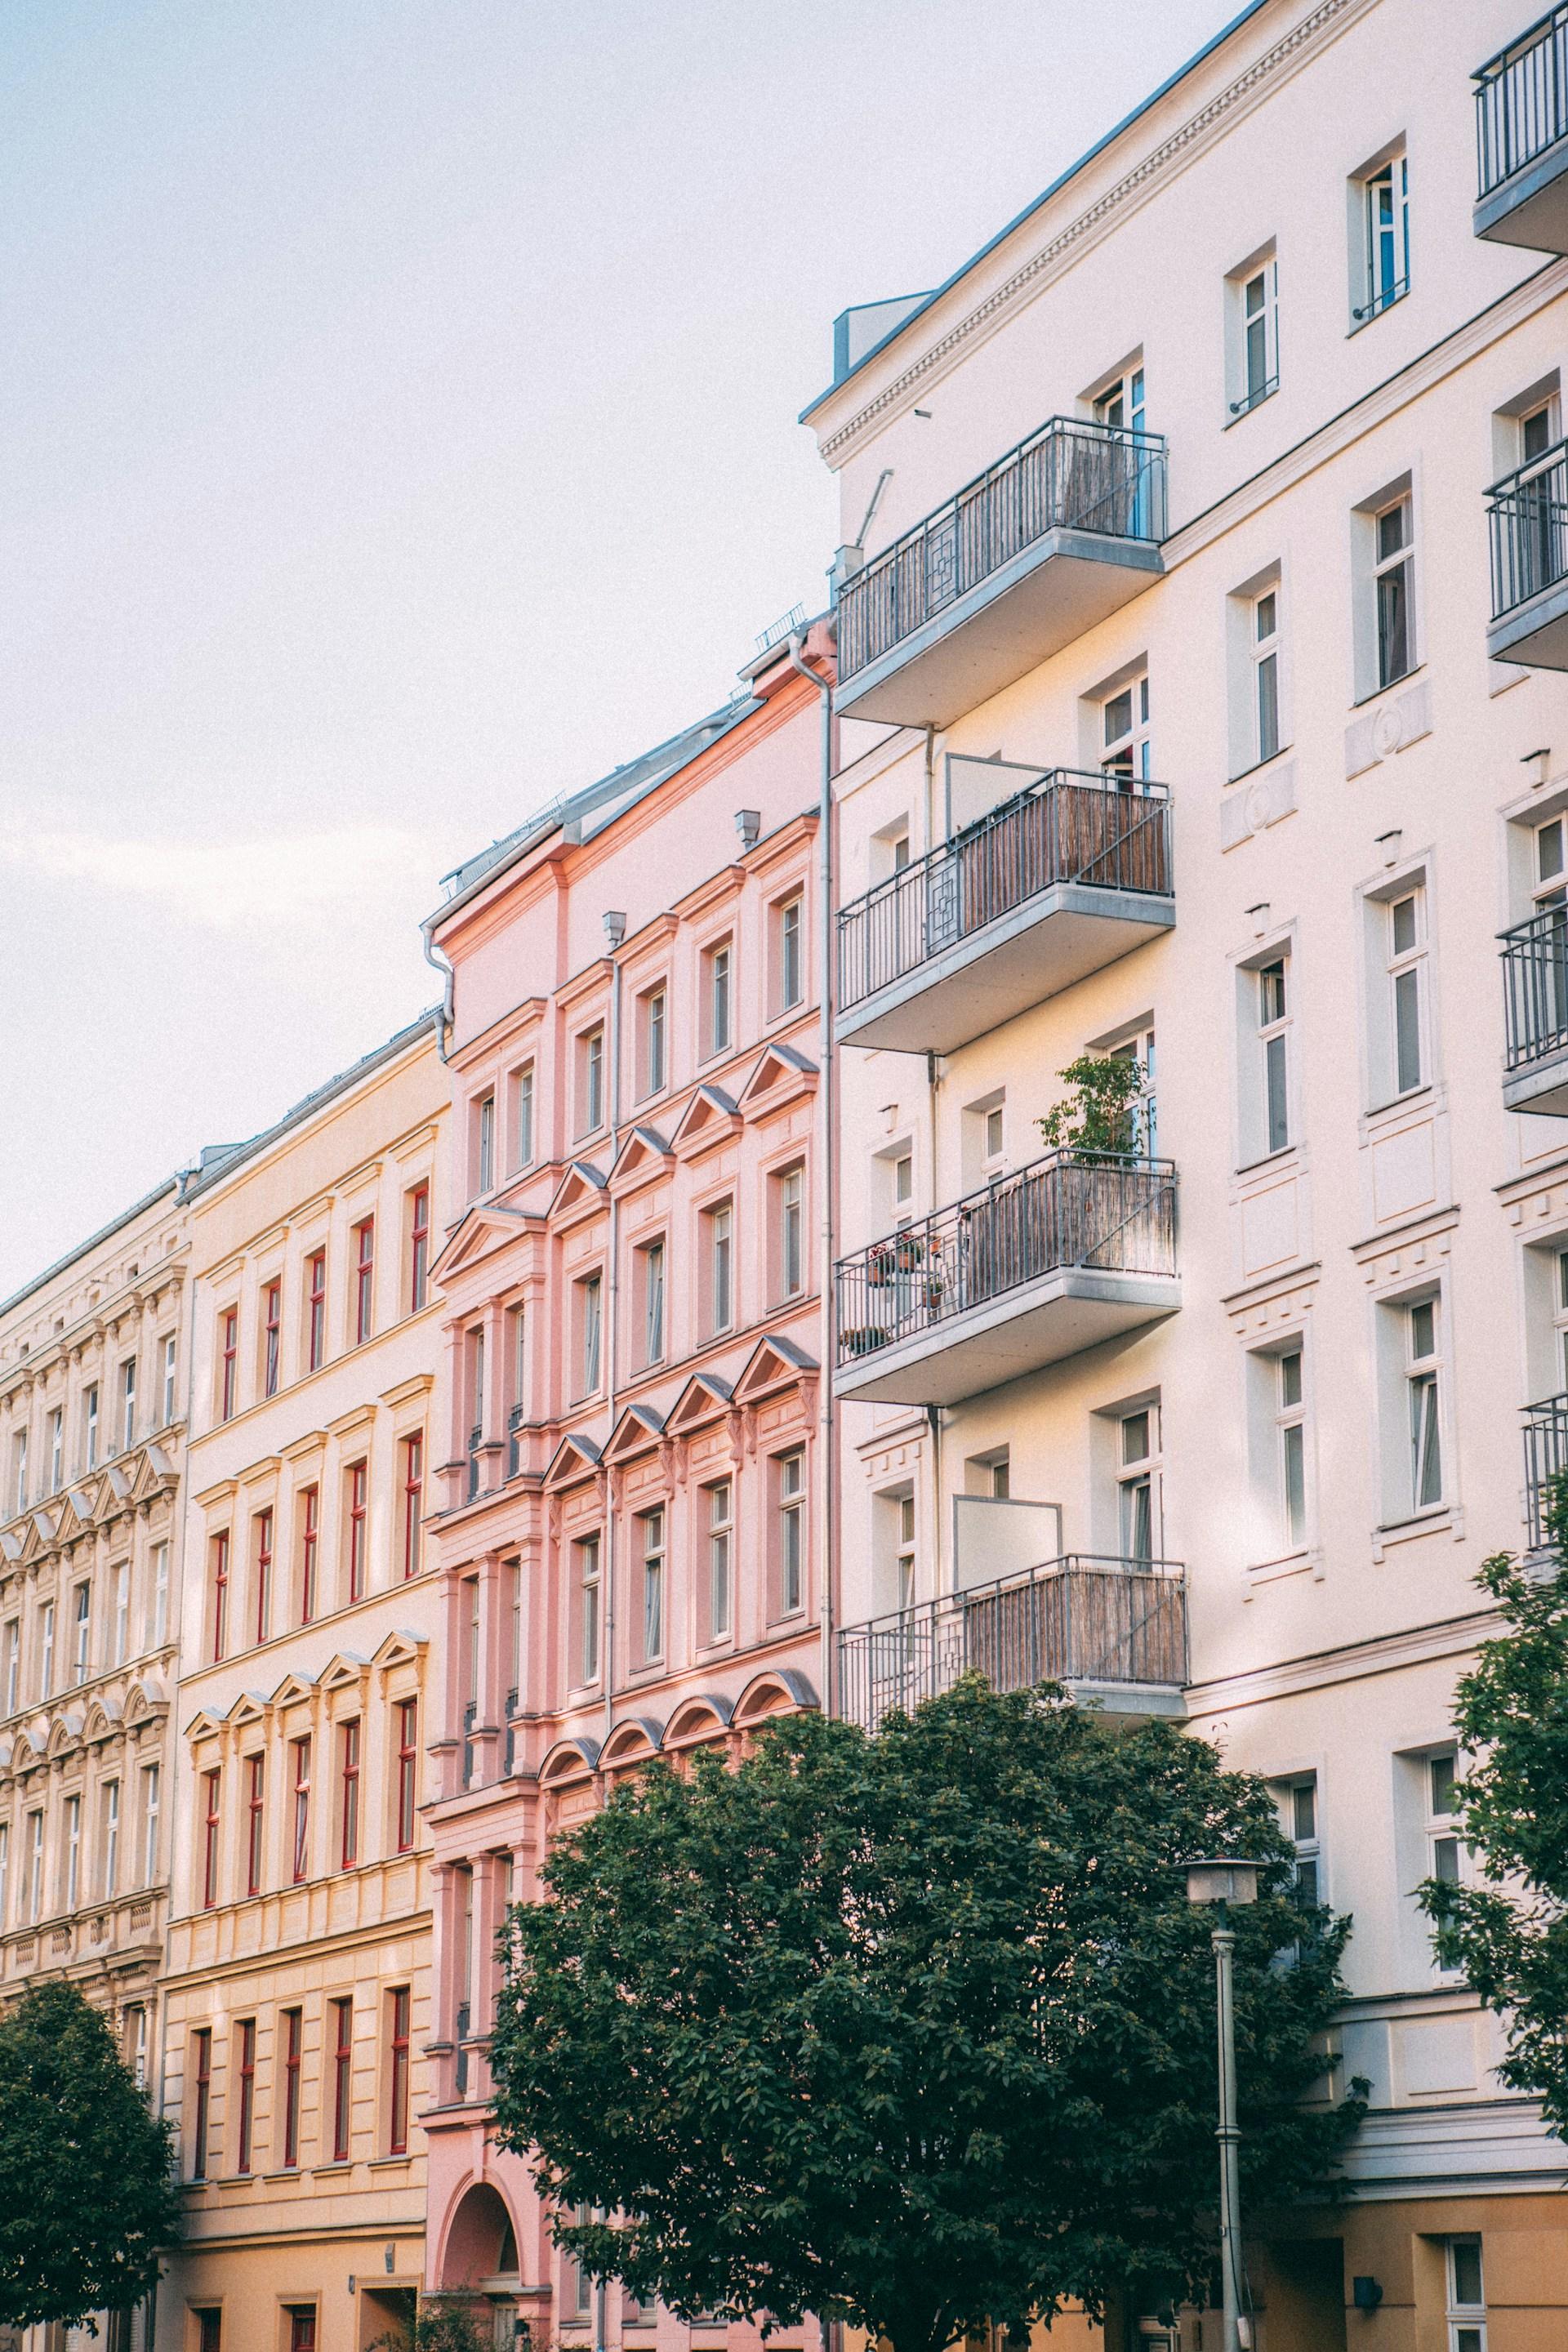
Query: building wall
point(1326, 1652)
point(298, 1931)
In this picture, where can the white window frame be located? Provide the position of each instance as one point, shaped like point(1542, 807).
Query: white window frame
point(150, 1817)
point(1290, 1446)
point(651, 1529)
point(57, 1426)
point(1382, 207)
point(523, 1116)
point(1467, 2318)
point(587, 1559)
point(718, 1226)
point(171, 1363)
point(655, 1300)
point(718, 999)
point(1424, 1384)
point(792, 1232)
point(1138, 1473)
point(1386, 563)
point(791, 1475)
point(655, 1041)
point(590, 1080)
point(792, 951)
point(591, 1332)
point(108, 1861)
point(719, 1563)
point(1125, 753)
point(1254, 291)
point(1301, 1817)
point(1267, 701)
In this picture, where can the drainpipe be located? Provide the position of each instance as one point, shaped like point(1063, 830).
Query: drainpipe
point(438, 963)
point(827, 1513)
point(615, 932)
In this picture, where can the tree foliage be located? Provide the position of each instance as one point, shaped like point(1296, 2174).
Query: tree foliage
point(1511, 1936)
point(917, 2029)
point(87, 2193)
point(1097, 1115)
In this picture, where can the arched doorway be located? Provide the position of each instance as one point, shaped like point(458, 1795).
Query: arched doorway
point(481, 2243)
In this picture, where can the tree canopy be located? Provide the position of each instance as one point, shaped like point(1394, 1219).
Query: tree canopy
point(915, 2030)
point(87, 2193)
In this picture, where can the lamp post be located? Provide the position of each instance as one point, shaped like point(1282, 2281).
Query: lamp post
point(1220, 1883)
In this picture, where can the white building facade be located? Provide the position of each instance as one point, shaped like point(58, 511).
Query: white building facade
point(1199, 621)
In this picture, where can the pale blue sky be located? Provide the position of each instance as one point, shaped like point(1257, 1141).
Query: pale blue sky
point(397, 427)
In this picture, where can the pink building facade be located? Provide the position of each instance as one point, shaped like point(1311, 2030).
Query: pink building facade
point(628, 1526)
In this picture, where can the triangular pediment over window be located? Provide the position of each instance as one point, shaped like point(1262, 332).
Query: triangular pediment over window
point(776, 1362)
point(703, 1399)
point(637, 1430)
point(576, 1458)
point(478, 1232)
point(780, 1074)
point(711, 1117)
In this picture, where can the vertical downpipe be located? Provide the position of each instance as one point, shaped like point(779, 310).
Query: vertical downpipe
point(615, 932)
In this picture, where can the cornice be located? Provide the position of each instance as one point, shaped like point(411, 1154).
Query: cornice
point(1385, 1654)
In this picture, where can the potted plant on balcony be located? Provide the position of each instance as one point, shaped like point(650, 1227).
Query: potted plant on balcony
point(862, 1338)
point(1099, 1115)
point(886, 1261)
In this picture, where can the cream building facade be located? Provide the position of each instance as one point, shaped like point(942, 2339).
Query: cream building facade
point(1198, 623)
point(299, 1947)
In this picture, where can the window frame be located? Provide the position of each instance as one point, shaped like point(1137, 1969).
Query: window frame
point(244, 2136)
point(309, 1519)
point(300, 1822)
point(212, 1832)
point(315, 1310)
point(411, 1458)
point(271, 1335)
point(202, 2078)
point(1381, 289)
point(350, 1750)
point(293, 2057)
point(406, 1822)
point(342, 2060)
point(356, 1526)
point(789, 950)
point(255, 1822)
point(229, 1364)
point(262, 1560)
point(652, 1564)
point(400, 2012)
point(790, 1507)
point(364, 1280)
point(719, 1560)
point(418, 1248)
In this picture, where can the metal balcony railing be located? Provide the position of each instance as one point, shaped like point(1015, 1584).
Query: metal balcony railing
point(1527, 515)
point(1535, 987)
point(1070, 827)
point(1545, 1462)
point(1521, 101)
point(1069, 473)
point(1078, 1619)
point(1112, 1211)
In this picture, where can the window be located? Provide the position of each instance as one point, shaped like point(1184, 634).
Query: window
point(57, 1450)
point(1444, 1850)
point(256, 1821)
point(272, 1337)
point(1421, 1381)
point(128, 1403)
point(904, 1556)
point(315, 1310)
point(150, 1783)
point(718, 1005)
point(245, 2032)
point(136, 2042)
point(293, 2041)
point(364, 1280)
point(4, 1871)
point(356, 1487)
point(790, 953)
point(46, 1649)
point(652, 1259)
point(1298, 1801)
point(301, 2327)
point(1271, 1003)
point(1255, 302)
point(13, 1664)
point(399, 2011)
point(654, 1060)
point(585, 1558)
point(71, 1875)
point(1290, 1427)
point(81, 1639)
point(120, 1617)
point(903, 1180)
point(791, 1195)
point(590, 1081)
point(1136, 1497)
point(523, 1116)
point(418, 1248)
point(20, 1471)
point(300, 1758)
point(721, 1229)
point(407, 1714)
point(791, 1532)
point(35, 1868)
point(262, 1571)
point(90, 1417)
point(220, 1594)
point(720, 1536)
point(228, 1362)
point(1124, 733)
point(1265, 634)
point(343, 2077)
point(109, 1843)
point(212, 1783)
point(158, 1627)
point(202, 2075)
point(1385, 256)
point(590, 1321)
point(485, 1143)
point(650, 1526)
point(348, 1793)
point(309, 1546)
point(412, 1502)
point(1467, 2297)
point(1121, 404)
point(1391, 580)
point(1407, 988)
point(170, 1353)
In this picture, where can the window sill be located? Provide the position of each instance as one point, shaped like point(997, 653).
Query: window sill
point(1241, 410)
point(389, 2163)
point(1245, 775)
point(1268, 1159)
point(1373, 311)
point(1412, 1100)
point(1361, 700)
point(1443, 1519)
point(324, 2172)
point(1307, 1560)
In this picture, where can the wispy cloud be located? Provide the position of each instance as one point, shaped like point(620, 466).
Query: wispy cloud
point(287, 881)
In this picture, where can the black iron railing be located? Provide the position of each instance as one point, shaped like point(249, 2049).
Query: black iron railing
point(1069, 473)
point(1521, 101)
point(1535, 987)
point(1113, 1211)
point(1545, 1462)
point(1080, 1618)
point(1527, 515)
point(1071, 825)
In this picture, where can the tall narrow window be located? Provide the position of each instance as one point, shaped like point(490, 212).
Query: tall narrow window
point(20, 1471)
point(220, 1595)
point(57, 1449)
point(262, 1573)
point(150, 1782)
point(108, 1845)
point(412, 1502)
point(13, 1664)
point(791, 1238)
point(202, 2076)
point(348, 1795)
point(1407, 988)
point(245, 2032)
point(399, 2006)
point(407, 1771)
point(590, 1082)
point(1290, 1421)
point(128, 1403)
point(158, 1624)
point(170, 1357)
point(301, 2327)
point(293, 2052)
point(720, 1009)
point(651, 1525)
point(82, 1633)
point(420, 1248)
point(591, 1307)
point(585, 1552)
point(1124, 734)
point(212, 1783)
point(119, 1613)
point(1135, 1479)
point(256, 1821)
point(1386, 261)
point(1301, 1829)
point(1273, 1038)
point(653, 1303)
point(791, 954)
point(1266, 674)
point(364, 1280)
point(1467, 2297)
point(485, 1143)
point(1445, 1852)
point(1393, 558)
point(299, 1776)
point(356, 1497)
point(310, 1547)
point(315, 1310)
point(904, 1563)
point(1421, 1381)
point(229, 1364)
point(46, 1649)
point(91, 1432)
point(342, 2078)
point(721, 1534)
point(5, 1873)
point(792, 1531)
point(72, 1874)
point(721, 1268)
point(1256, 293)
point(523, 1116)
point(271, 1337)
point(35, 1868)
point(655, 1054)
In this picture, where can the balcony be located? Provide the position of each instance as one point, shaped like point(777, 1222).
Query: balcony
point(1073, 1250)
point(1056, 535)
point(1545, 1461)
point(1527, 515)
point(1113, 1630)
point(1065, 876)
point(1535, 1008)
point(1521, 139)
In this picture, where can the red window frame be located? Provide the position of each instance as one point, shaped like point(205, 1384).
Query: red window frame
point(316, 1308)
point(293, 2040)
point(364, 1280)
point(420, 1250)
point(348, 1799)
point(397, 2101)
point(407, 1771)
point(246, 2092)
point(302, 2329)
point(203, 2039)
point(220, 1594)
point(413, 1501)
point(229, 1328)
point(255, 1801)
point(212, 1789)
point(211, 2330)
point(358, 1476)
point(343, 2077)
point(263, 1574)
point(300, 1751)
point(272, 1342)
point(309, 1541)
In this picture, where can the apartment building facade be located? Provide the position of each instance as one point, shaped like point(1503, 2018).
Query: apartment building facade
point(299, 1942)
point(633, 1332)
point(1198, 618)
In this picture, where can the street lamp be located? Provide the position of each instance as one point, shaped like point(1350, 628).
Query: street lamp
point(1222, 1882)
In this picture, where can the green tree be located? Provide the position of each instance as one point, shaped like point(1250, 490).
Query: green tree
point(87, 2191)
point(1098, 1115)
point(1510, 1938)
point(917, 2029)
